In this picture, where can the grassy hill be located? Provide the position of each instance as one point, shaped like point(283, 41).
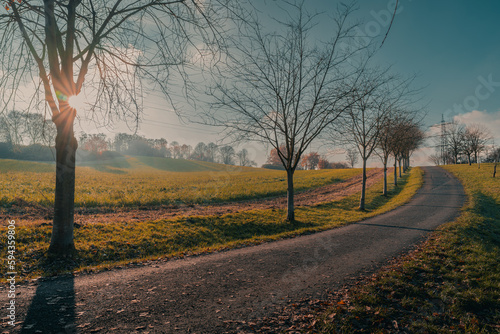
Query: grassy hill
point(122, 165)
point(138, 181)
point(7, 165)
point(125, 164)
point(180, 165)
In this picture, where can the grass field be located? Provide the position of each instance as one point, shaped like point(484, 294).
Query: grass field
point(451, 284)
point(106, 245)
point(139, 181)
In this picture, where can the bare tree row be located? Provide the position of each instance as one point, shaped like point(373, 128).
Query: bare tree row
point(310, 161)
point(460, 143)
point(139, 145)
point(287, 90)
point(18, 128)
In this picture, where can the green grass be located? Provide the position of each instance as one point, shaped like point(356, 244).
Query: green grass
point(179, 165)
point(18, 166)
point(143, 181)
point(106, 245)
point(450, 284)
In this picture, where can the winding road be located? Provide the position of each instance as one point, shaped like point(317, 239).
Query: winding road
point(214, 293)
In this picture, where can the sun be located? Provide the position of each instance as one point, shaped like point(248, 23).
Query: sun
point(77, 101)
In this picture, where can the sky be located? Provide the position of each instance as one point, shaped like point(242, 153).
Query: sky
point(451, 45)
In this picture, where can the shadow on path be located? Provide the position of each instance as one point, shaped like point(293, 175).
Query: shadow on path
point(52, 309)
point(394, 226)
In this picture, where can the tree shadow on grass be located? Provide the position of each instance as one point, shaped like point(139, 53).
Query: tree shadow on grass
point(105, 169)
point(488, 230)
point(216, 228)
point(114, 166)
point(52, 309)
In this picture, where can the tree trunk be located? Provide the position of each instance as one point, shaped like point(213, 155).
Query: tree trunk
point(395, 172)
point(385, 179)
point(494, 169)
point(400, 168)
point(363, 188)
point(61, 243)
point(290, 215)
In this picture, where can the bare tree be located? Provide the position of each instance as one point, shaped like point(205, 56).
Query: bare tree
point(363, 120)
point(227, 155)
point(244, 158)
point(407, 137)
point(455, 139)
point(412, 139)
point(374, 100)
point(185, 151)
point(386, 143)
point(109, 49)
point(34, 127)
point(5, 133)
point(435, 159)
point(282, 88)
point(161, 145)
point(199, 152)
point(352, 156)
point(49, 133)
point(13, 127)
point(175, 148)
point(475, 139)
point(211, 152)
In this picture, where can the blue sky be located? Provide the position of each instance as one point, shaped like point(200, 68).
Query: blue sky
point(448, 44)
point(451, 45)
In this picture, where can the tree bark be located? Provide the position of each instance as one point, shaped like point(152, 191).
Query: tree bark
point(290, 215)
point(494, 170)
point(395, 172)
point(61, 243)
point(363, 188)
point(400, 168)
point(385, 179)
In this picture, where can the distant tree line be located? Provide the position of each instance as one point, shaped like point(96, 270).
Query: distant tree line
point(460, 144)
point(309, 161)
point(137, 145)
point(26, 136)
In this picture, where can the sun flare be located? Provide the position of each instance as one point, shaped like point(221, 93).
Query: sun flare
point(77, 101)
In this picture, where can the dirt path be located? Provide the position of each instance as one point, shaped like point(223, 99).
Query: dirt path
point(229, 292)
point(315, 196)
